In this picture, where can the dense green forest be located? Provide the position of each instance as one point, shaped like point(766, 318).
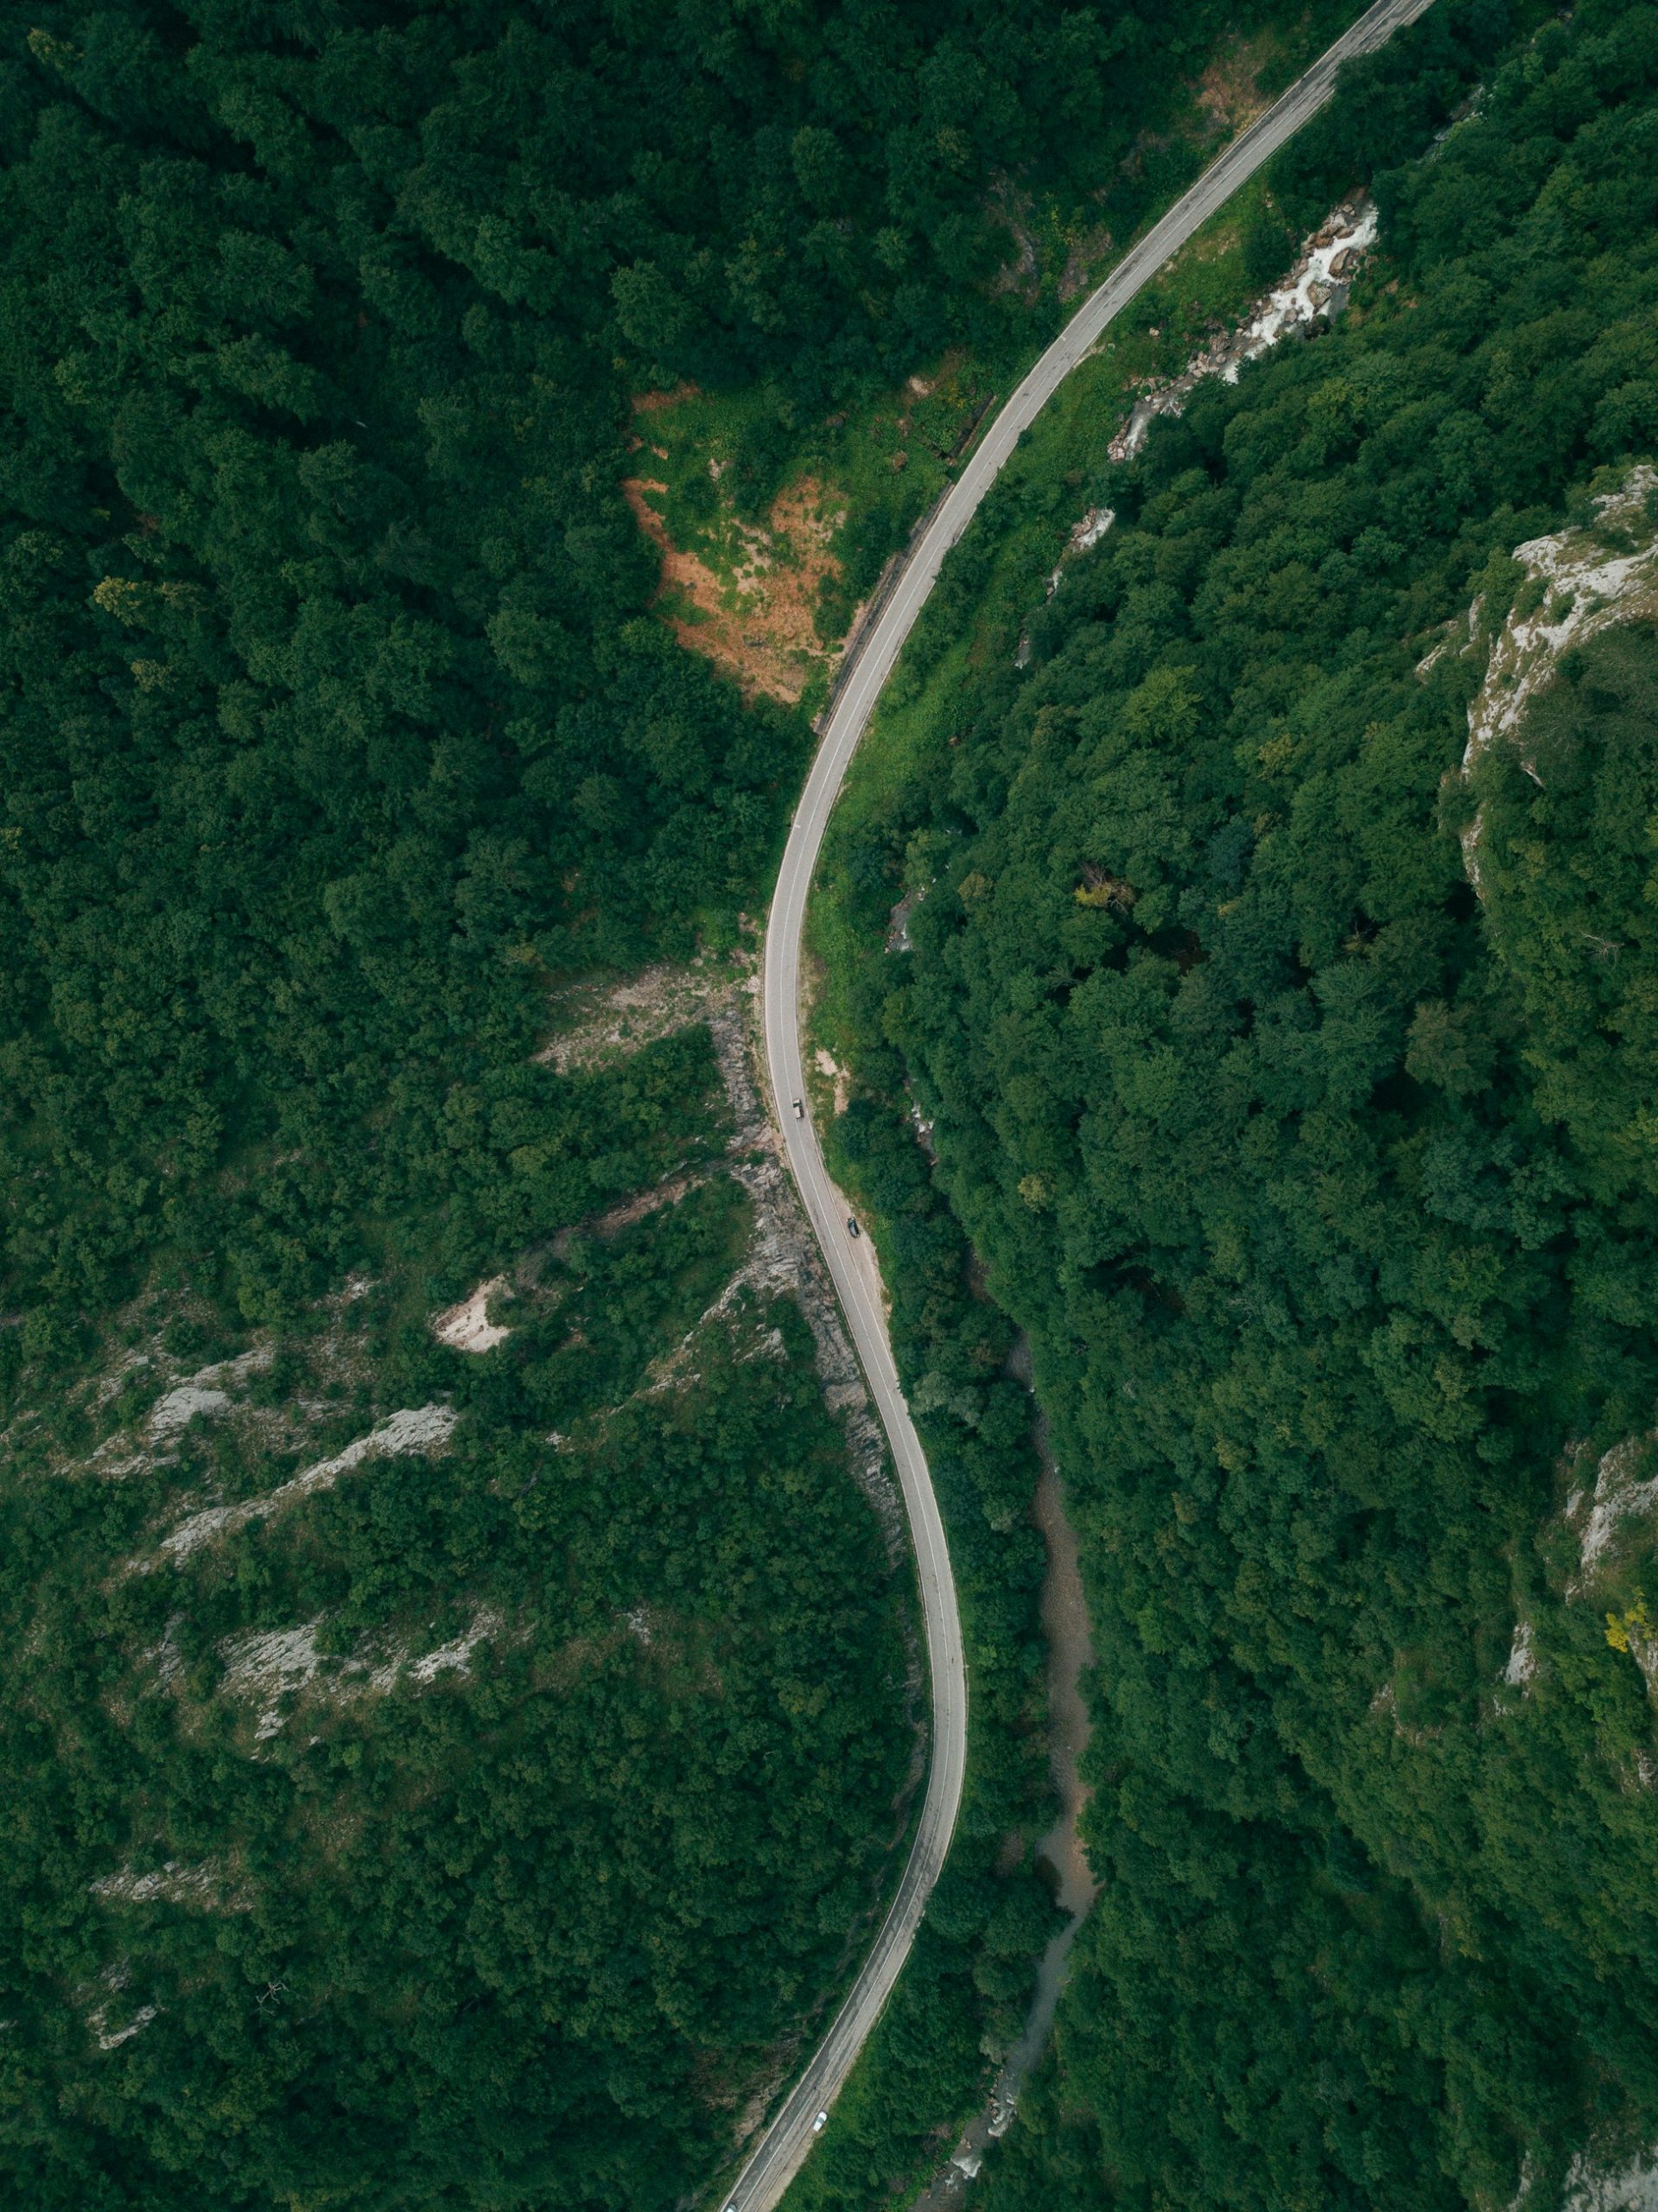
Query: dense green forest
point(474, 1825)
point(333, 721)
point(481, 1820)
point(465, 1830)
point(1323, 1183)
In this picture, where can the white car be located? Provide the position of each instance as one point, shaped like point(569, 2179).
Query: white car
point(818, 2125)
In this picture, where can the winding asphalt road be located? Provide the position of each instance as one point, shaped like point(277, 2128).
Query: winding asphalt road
point(851, 1263)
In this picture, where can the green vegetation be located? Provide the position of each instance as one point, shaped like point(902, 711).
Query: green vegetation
point(962, 1997)
point(885, 449)
point(1325, 1188)
point(481, 1820)
point(723, 459)
point(470, 1829)
point(335, 729)
point(333, 726)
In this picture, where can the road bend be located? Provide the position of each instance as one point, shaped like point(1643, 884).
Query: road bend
point(850, 1261)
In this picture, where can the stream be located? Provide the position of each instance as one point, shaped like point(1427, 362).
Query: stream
point(1064, 1625)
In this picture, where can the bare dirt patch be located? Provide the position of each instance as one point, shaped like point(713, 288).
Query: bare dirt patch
point(601, 1021)
point(652, 402)
point(829, 1067)
point(1227, 92)
point(467, 1327)
point(759, 623)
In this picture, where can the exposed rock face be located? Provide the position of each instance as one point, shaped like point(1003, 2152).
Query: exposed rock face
point(1317, 285)
point(467, 1327)
point(415, 1429)
point(1578, 582)
point(1630, 2187)
point(1084, 537)
point(1619, 1494)
point(782, 1256)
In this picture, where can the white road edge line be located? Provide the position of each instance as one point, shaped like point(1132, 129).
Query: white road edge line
point(781, 2150)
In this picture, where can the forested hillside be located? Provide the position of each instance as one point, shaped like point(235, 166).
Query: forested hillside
point(435, 1778)
point(1295, 1089)
point(446, 1769)
point(332, 721)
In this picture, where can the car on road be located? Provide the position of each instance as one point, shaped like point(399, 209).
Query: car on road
point(851, 1229)
point(818, 2125)
point(800, 1111)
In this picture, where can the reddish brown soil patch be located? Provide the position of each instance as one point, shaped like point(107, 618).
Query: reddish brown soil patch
point(652, 402)
point(760, 624)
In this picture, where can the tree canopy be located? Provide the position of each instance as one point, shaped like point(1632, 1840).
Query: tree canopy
point(1322, 1183)
point(333, 720)
point(337, 727)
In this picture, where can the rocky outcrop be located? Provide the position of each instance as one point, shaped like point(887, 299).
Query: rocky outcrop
point(1318, 285)
point(1578, 582)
